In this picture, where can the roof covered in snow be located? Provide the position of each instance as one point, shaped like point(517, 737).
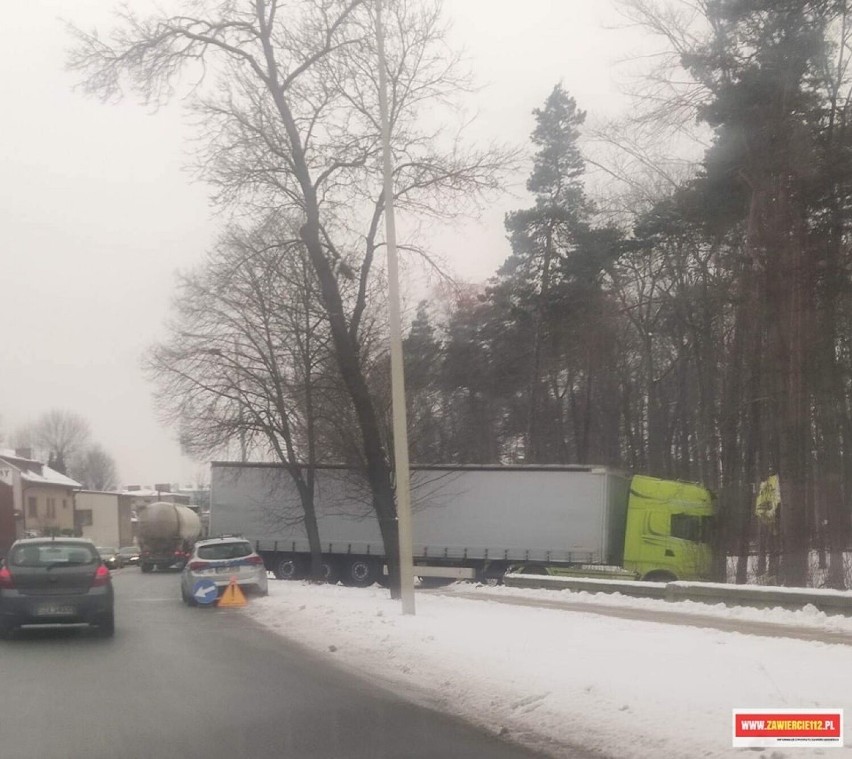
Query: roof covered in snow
point(37, 473)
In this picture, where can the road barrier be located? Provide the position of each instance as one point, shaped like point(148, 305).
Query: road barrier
point(756, 596)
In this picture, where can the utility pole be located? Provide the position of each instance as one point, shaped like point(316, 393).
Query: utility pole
point(400, 424)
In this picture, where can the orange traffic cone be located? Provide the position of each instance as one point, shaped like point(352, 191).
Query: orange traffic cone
point(232, 597)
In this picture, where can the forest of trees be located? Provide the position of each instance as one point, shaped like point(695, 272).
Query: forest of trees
point(701, 332)
point(707, 338)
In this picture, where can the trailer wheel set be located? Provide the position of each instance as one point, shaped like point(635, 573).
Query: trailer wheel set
point(363, 571)
point(355, 571)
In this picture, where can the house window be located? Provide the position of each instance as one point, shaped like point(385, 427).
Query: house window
point(51, 508)
point(83, 518)
point(32, 506)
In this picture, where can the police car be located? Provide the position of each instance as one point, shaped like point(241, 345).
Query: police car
point(214, 562)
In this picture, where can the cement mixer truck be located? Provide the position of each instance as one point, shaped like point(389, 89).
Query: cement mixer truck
point(166, 533)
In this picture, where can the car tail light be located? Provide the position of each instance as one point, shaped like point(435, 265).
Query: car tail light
point(6, 579)
point(194, 565)
point(256, 560)
point(102, 576)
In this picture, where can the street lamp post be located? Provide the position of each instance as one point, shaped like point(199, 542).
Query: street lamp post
point(400, 427)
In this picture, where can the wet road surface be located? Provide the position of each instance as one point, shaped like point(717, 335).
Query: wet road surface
point(180, 682)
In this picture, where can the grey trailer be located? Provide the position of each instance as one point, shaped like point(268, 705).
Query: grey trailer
point(468, 521)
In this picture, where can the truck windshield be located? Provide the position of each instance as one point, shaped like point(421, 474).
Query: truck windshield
point(698, 529)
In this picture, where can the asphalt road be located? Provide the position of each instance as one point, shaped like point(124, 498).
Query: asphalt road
point(179, 682)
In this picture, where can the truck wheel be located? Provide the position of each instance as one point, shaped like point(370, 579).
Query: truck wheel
point(659, 577)
point(491, 576)
point(360, 573)
point(145, 567)
point(289, 569)
point(534, 569)
point(330, 572)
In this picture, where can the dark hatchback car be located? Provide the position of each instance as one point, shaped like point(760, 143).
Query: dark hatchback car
point(110, 557)
point(129, 555)
point(50, 581)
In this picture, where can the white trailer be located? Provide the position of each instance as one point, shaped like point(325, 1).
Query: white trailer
point(468, 521)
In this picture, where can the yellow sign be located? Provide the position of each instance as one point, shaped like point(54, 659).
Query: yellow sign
point(768, 499)
point(232, 597)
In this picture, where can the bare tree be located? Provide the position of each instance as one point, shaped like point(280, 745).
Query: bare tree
point(57, 435)
point(289, 119)
point(248, 357)
point(22, 437)
point(94, 468)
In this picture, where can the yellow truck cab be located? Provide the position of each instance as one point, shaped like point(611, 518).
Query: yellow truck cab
point(669, 530)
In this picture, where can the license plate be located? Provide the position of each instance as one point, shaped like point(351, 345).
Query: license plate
point(54, 610)
point(227, 570)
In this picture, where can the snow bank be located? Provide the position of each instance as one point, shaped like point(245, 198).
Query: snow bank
point(553, 679)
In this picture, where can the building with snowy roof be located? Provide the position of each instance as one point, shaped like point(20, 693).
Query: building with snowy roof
point(41, 498)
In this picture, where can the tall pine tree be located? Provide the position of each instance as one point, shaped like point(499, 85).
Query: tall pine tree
point(552, 281)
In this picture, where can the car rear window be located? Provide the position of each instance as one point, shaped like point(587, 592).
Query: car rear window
point(224, 551)
point(52, 554)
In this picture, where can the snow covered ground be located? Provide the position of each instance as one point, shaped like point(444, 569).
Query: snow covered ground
point(554, 679)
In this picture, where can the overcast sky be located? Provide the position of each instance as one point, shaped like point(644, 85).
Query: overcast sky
point(96, 213)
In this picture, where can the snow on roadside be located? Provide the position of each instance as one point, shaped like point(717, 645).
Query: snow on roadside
point(548, 677)
point(807, 618)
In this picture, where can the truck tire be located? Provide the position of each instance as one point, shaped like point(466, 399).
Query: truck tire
point(289, 569)
point(360, 573)
point(534, 569)
point(659, 576)
point(330, 571)
point(492, 575)
point(146, 567)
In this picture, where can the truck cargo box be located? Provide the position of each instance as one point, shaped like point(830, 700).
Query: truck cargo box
point(545, 514)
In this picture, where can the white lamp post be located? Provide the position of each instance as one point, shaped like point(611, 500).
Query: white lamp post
point(400, 428)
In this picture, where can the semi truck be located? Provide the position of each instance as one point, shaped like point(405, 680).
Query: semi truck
point(475, 522)
point(166, 533)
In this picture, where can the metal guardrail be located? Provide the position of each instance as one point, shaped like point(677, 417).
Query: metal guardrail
point(755, 596)
point(590, 585)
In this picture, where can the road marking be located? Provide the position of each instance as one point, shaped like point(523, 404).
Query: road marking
point(157, 600)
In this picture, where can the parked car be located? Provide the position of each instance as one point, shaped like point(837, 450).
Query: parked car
point(110, 557)
point(128, 555)
point(220, 559)
point(49, 581)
